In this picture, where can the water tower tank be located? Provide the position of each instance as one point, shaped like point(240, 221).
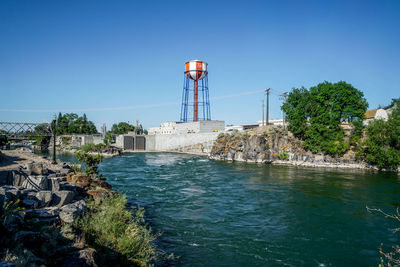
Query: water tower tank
point(196, 69)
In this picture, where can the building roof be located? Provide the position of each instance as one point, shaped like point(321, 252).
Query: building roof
point(370, 114)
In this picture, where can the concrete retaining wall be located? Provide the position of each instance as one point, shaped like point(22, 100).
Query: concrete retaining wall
point(174, 142)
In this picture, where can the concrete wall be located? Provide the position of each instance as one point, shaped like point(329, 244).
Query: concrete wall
point(173, 142)
point(212, 126)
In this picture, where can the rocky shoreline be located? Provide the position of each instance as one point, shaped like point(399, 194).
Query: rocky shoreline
point(37, 199)
point(277, 146)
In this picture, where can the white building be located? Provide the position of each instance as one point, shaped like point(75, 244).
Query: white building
point(272, 122)
point(375, 114)
point(187, 127)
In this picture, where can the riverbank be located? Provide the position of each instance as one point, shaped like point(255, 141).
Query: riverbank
point(48, 217)
point(277, 146)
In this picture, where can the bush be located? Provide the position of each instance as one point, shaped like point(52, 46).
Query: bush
point(119, 235)
point(91, 161)
point(283, 155)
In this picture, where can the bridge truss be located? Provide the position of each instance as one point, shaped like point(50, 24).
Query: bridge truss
point(17, 130)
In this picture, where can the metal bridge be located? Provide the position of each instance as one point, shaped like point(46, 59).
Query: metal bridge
point(21, 130)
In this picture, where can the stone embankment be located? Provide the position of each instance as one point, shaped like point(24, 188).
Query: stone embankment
point(37, 198)
point(275, 145)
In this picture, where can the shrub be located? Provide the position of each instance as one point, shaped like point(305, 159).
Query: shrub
point(91, 161)
point(9, 209)
point(283, 155)
point(118, 234)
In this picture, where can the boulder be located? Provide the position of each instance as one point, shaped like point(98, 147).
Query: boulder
point(61, 198)
point(6, 264)
point(79, 180)
point(35, 168)
point(46, 216)
point(35, 182)
point(10, 193)
point(98, 194)
point(71, 211)
point(64, 171)
point(4, 177)
point(45, 198)
point(85, 257)
point(54, 184)
point(30, 203)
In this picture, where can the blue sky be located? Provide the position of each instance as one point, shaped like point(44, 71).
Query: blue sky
point(98, 55)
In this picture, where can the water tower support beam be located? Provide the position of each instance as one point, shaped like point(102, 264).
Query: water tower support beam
point(195, 101)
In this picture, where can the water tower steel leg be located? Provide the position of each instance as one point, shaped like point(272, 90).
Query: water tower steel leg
point(195, 100)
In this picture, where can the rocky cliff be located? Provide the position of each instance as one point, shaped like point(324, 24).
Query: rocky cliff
point(272, 144)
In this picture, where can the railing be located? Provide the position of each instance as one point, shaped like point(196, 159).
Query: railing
point(24, 129)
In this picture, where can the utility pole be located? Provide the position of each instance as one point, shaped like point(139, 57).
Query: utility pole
point(267, 92)
point(262, 112)
point(283, 97)
point(54, 161)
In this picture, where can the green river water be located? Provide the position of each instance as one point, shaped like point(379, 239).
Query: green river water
point(236, 214)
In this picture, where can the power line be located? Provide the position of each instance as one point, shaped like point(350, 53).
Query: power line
point(125, 107)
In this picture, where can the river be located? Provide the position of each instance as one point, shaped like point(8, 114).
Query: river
point(236, 214)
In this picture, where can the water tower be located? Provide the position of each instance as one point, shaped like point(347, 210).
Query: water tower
point(195, 97)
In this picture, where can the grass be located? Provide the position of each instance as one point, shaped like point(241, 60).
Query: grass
point(118, 234)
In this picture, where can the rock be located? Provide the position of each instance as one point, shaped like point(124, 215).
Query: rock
point(98, 194)
point(45, 198)
point(71, 211)
point(79, 180)
point(4, 177)
point(54, 184)
point(46, 216)
point(64, 171)
point(85, 257)
point(10, 193)
point(6, 264)
point(61, 198)
point(30, 203)
point(35, 182)
point(35, 168)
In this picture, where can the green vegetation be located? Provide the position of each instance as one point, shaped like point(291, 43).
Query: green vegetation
point(92, 162)
point(283, 155)
point(382, 143)
point(93, 148)
point(3, 140)
point(9, 209)
point(71, 123)
point(119, 235)
point(121, 128)
point(315, 115)
point(108, 139)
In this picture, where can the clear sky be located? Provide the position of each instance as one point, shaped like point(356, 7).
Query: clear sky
point(124, 60)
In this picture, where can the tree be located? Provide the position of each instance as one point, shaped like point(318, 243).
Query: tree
point(71, 123)
point(315, 115)
point(297, 109)
point(382, 143)
point(121, 128)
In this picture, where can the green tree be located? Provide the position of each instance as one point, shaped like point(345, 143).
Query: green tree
point(297, 109)
point(121, 128)
point(315, 115)
point(71, 123)
point(382, 143)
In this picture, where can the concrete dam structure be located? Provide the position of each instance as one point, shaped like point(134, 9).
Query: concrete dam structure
point(189, 137)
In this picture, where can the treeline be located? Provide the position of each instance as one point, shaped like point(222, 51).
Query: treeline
point(71, 123)
point(317, 117)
